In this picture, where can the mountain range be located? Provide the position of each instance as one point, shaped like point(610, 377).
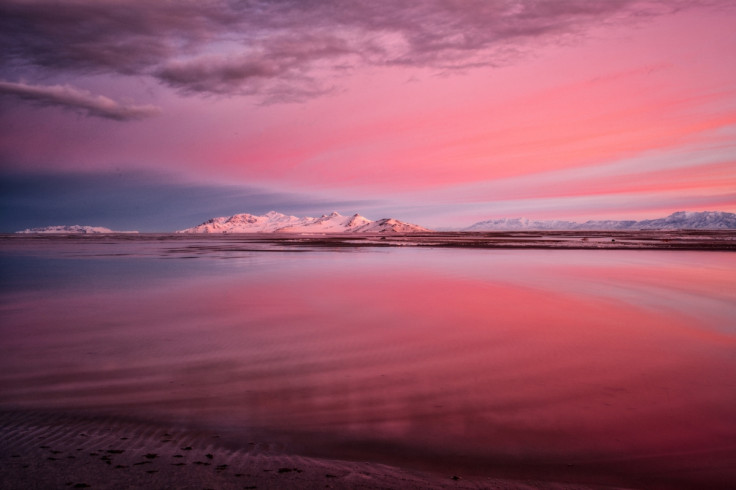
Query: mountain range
point(72, 229)
point(273, 222)
point(681, 220)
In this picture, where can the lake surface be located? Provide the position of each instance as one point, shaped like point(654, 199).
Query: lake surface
point(598, 366)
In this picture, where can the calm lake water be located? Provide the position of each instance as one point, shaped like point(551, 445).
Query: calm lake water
point(610, 366)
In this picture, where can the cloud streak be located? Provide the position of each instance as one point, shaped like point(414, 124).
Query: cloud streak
point(276, 48)
point(77, 100)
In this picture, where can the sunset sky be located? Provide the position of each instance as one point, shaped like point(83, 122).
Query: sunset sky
point(157, 115)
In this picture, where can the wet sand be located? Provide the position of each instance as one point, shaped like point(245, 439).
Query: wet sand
point(43, 450)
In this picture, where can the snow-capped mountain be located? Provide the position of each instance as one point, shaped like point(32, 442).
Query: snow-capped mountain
point(273, 222)
point(328, 223)
point(688, 220)
point(72, 229)
point(681, 220)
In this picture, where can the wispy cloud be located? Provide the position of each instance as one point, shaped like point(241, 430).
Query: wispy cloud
point(77, 100)
point(275, 48)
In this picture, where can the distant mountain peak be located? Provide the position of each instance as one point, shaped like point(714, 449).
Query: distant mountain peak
point(357, 220)
point(274, 222)
point(680, 220)
point(72, 229)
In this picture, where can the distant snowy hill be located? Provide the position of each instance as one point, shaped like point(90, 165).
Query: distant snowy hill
point(273, 222)
point(681, 220)
point(72, 229)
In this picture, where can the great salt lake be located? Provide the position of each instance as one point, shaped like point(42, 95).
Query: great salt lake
point(600, 366)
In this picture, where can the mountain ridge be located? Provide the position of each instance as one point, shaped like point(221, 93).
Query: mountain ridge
point(680, 220)
point(274, 222)
point(71, 229)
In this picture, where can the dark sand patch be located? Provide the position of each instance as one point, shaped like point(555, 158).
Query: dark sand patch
point(51, 451)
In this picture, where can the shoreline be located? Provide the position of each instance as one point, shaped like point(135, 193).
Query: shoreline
point(40, 449)
point(172, 244)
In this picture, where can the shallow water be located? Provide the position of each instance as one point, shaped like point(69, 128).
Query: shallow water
point(608, 366)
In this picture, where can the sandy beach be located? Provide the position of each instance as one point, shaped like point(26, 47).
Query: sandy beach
point(43, 450)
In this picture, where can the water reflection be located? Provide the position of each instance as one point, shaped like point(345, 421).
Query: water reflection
point(494, 357)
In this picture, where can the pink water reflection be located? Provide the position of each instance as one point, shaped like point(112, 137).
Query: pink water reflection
point(610, 361)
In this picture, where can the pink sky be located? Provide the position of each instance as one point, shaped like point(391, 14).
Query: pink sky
point(441, 114)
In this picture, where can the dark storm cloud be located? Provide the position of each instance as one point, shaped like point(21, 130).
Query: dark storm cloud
point(123, 36)
point(77, 100)
point(286, 59)
point(143, 201)
point(280, 48)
